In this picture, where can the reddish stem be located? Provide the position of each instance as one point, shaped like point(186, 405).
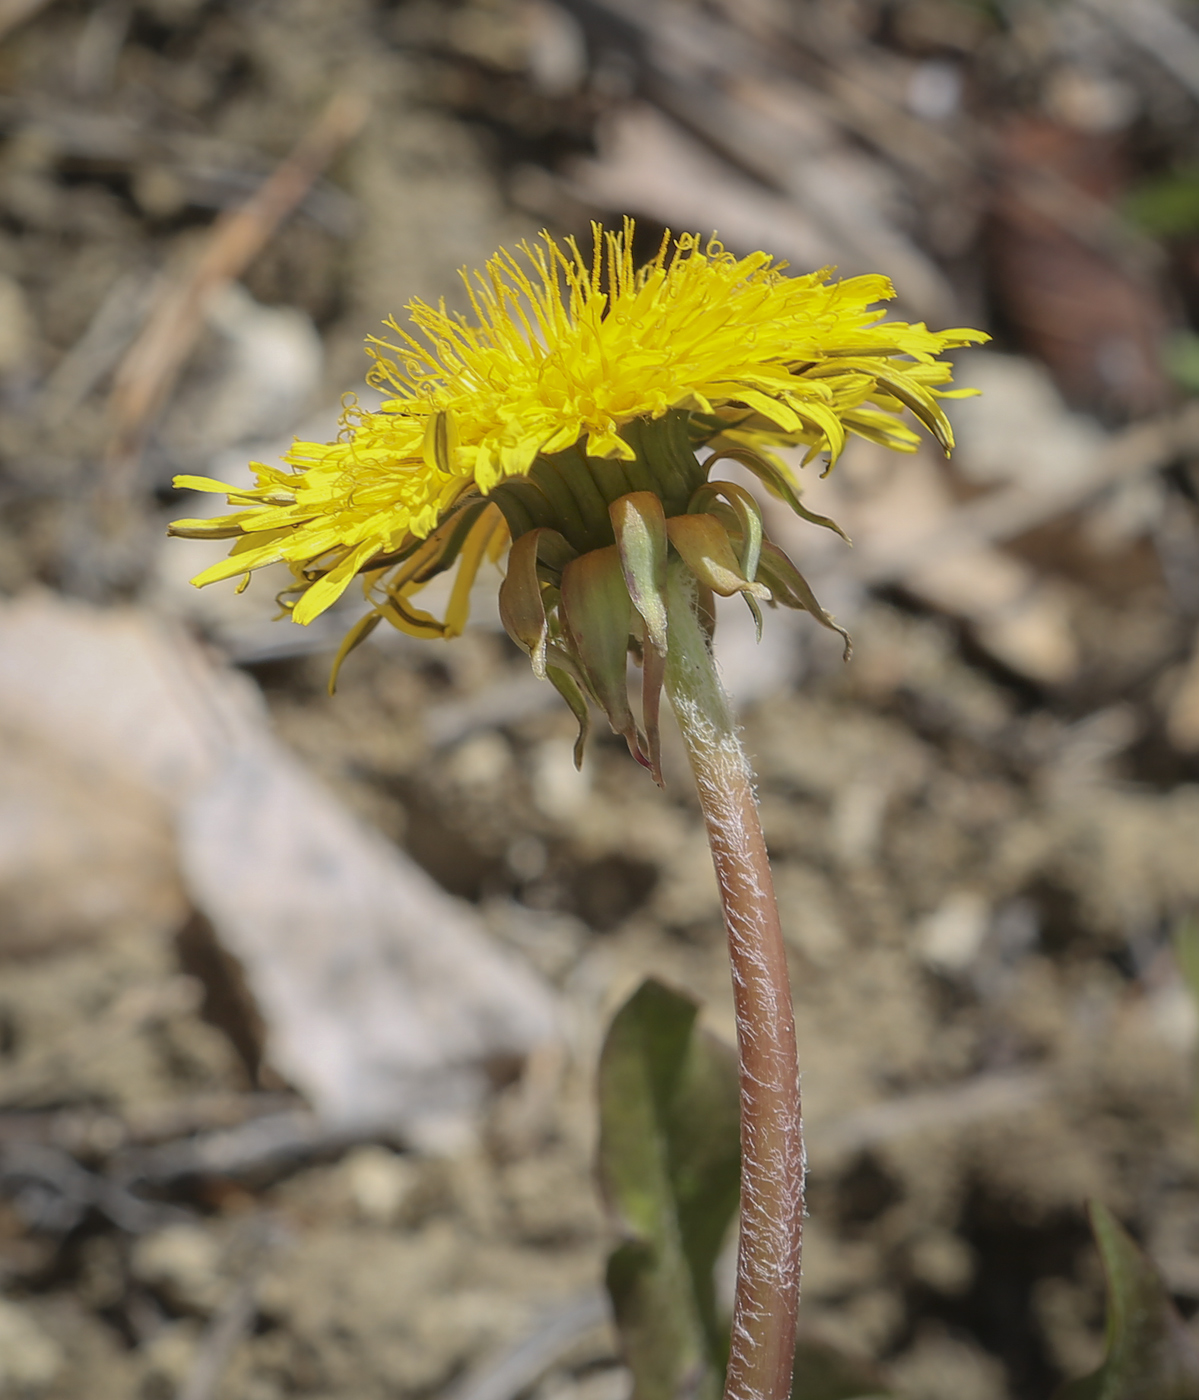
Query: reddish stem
point(772, 1157)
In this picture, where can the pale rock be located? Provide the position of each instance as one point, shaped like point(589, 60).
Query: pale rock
point(1174, 1016)
point(834, 1267)
point(951, 937)
point(560, 790)
point(686, 892)
point(169, 1357)
point(1090, 100)
point(1018, 429)
point(942, 1259)
point(856, 820)
point(16, 327)
point(900, 513)
point(557, 48)
point(602, 1383)
point(183, 1263)
point(808, 914)
point(82, 849)
point(942, 1367)
point(751, 670)
point(1022, 620)
point(29, 1359)
point(1182, 716)
point(265, 370)
point(480, 763)
point(383, 998)
point(379, 1182)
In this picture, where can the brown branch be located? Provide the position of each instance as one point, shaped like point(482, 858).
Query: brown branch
point(148, 372)
point(15, 12)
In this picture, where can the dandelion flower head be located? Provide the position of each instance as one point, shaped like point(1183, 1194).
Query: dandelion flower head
point(566, 351)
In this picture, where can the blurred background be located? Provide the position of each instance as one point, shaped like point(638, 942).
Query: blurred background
point(300, 997)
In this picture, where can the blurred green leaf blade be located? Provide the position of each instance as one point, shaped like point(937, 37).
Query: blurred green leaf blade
point(1150, 1355)
point(1186, 950)
point(1166, 205)
point(1180, 355)
point(669, 1167)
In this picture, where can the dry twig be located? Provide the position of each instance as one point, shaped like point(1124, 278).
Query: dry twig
point(14, 12)
point(1157, 30)
point(1002, 515)
point(234, 1319)
point(517, 1367)
point(148, 371)
point(974, 1100)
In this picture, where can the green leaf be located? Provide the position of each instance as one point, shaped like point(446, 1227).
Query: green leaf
point(775, 481)
point(1180, 354)
point(1149, 1353)
point(703, 542)
point(792, 590)
point(1167, 205)
point(653, 674)
point(598, 618)
point(570, 690)
point(522, 604)
point(639, 524)
point(669, 1166)
point(1186, 950)
point(357, 634)
point(749, 518)
point(663, 447)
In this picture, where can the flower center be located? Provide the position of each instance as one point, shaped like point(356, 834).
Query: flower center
point(571, 492)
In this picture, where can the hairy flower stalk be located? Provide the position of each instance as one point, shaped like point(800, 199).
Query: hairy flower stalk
point(772, 1155)
point(562, 426)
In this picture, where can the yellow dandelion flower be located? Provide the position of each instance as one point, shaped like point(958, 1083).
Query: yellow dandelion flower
point(577, 383)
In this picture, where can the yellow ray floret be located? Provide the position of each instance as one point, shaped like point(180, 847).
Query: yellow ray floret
point(564, 349)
